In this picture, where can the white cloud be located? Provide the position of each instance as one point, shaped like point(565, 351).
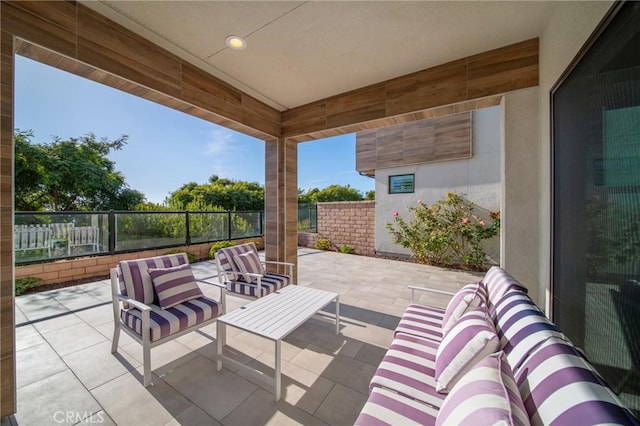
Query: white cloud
point(219, 142)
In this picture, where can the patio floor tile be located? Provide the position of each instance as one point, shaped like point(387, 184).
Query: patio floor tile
point(57, 399)
point(70, 339)
point(129, 403)
point(37, 363)
point(218, 393)
point(96, 364)
point(64, 359)
point(341, 407)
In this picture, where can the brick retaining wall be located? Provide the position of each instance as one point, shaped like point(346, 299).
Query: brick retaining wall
point(97, 267)
point(345, 222)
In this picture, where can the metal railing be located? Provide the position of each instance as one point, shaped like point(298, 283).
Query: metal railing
point(44, 236)
point(308, 217)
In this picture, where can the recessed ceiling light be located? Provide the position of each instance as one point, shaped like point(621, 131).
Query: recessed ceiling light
point(236, 42)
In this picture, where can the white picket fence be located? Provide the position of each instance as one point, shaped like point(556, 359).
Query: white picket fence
point(52, 236)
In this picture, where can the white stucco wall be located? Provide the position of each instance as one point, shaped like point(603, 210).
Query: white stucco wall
point(478, 178)
point(570, 25)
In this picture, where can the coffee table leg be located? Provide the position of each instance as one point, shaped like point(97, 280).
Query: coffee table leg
point(219, 340)
point(278, 371)
point(337, 314)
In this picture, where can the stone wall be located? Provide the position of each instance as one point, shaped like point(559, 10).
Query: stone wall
point(97, 267)
point(349, 223)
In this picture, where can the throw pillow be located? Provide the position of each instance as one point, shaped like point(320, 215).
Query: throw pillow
point(468, 297)
point(486, 395)
point(174, 285)
point(249, 263)
point(471, 339)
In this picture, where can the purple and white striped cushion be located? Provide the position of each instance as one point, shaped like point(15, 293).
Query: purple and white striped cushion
point(468, 297)
point(268, 284)
point(174, 285)
point(422, 321)
point(497, 282)
point(408, 368)
point(486, 395)
point(225, 256)
point(559, 386)
point(471, 339)
point(385, 407)
point(165, 322)
point(249, 263)
point(521, 326)
point(134, 279)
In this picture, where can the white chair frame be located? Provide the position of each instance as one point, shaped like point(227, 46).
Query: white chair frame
point(145, 339)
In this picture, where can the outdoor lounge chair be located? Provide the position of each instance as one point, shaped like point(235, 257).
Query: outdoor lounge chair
point(242, 272)
point(156, 300)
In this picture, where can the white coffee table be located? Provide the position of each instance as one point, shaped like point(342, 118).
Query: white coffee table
point(274, 317)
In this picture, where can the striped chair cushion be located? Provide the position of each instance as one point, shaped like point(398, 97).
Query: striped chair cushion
point(165, 322)
point(225, 256)
point(174, 285)
point(559, 386)
point(408, 368)
point(521, 326)
point(470, 340)
point(385, 407)
point(468, 297)
point(249, 263)
point(422, 321)
point(269, 283)
point(497, 282)
point(135, 281)
point(486, 395)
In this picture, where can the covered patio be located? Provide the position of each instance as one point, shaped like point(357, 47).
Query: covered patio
point(66, 373)
point(440, 58)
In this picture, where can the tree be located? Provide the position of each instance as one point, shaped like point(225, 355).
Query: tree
point(330, 193)
point(370, 195)
point(221, 192)
point(68, 175)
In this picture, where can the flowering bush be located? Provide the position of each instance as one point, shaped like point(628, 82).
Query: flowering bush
point(446, 232)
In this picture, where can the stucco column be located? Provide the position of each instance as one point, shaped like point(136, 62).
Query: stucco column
point(281, 202)
point(520, 225)
point(7, 302)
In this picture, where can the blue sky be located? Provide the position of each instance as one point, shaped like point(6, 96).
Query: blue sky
point(166, 148)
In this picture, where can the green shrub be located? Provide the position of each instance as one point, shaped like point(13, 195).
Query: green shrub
point(24, 284)
point(259, 243)
point(347, 249)
point(445, 232)
point(190, 256)
point(217, 246)
point(324, 244)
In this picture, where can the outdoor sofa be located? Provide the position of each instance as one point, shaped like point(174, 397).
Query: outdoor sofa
point(490, 357)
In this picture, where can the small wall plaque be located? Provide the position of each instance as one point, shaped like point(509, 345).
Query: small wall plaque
point(402, 184)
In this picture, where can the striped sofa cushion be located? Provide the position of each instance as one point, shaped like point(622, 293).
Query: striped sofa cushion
point(468, 297)
point(165, 322)
point(497, 282)
point(174, 285)
point(134, 279)
point(559, 386)
point(385, 407)
point(486, 395)
point(470, 340)
point(408, 368)
point(422, 321)
point(521, 326)
point(269, 283)
point(224, 258)
point(249, 263)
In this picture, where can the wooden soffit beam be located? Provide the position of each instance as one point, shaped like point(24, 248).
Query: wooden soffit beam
point(70, 36)
point(430, 92)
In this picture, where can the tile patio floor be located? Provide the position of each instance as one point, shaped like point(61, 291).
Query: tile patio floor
point(66, 373)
